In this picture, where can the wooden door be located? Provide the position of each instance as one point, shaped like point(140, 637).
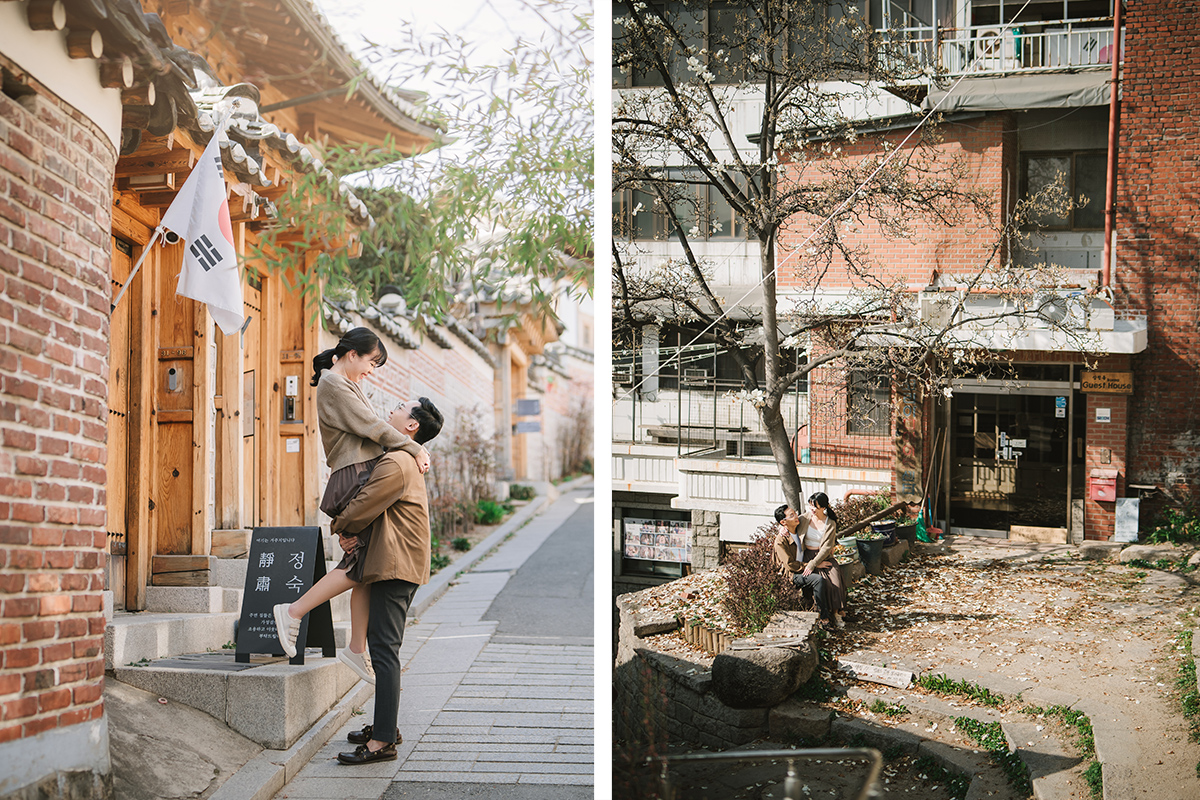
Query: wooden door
point(117, 466)
point(173, 386)
point(251, 353)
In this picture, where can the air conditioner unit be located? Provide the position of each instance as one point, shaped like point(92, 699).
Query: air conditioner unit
point(936, 309)
point(995, 50)
point(1063, 310)
point(695, 377)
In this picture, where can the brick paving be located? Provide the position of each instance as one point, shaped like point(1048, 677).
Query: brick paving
point(477, 707)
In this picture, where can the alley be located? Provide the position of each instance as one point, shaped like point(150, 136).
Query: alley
point(498, 683)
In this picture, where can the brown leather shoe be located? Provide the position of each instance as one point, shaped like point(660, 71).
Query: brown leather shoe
point(363, 755)
point(366, 735)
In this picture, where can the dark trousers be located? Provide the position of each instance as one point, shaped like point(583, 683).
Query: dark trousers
point(814, 581)
point(385, 633)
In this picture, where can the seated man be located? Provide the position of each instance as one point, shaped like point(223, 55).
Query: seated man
point(803, 551)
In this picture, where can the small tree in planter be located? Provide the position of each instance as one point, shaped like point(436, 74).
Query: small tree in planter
point(852, 510)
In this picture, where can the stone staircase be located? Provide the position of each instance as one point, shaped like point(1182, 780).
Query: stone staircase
point(181, 648)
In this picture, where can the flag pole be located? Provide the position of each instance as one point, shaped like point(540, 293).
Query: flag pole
point(145, 252)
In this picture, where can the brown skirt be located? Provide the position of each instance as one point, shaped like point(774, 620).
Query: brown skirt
point(833, 574)
point(344, 484)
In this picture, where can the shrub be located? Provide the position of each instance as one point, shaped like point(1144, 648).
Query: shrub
point(438, 561)
point(1176, 525)
point(488, 512)
point(519, 492)
point(461, 544)
point(756, 589)
point(853, 510)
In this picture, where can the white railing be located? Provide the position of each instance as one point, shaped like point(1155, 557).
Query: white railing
point(1055, 45)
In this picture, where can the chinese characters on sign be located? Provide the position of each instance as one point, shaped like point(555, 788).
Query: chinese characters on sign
point(267, 560)
point(658, 540)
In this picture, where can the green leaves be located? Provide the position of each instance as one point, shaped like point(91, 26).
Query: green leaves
point(506, 194)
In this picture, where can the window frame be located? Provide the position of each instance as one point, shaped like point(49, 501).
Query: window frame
point(1070, 225)
point(859, 386)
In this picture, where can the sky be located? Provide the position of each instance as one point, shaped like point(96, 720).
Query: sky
point(490, 26)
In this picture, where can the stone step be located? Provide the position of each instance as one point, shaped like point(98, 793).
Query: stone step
point(268, 700)
point(148, 636)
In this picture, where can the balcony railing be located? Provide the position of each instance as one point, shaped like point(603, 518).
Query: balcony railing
point(701, 418)
point(996, 49)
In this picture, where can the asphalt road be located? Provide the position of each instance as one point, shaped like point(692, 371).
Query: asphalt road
point(550, 599)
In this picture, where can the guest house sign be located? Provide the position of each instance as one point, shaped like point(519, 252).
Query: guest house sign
point(1107, 382)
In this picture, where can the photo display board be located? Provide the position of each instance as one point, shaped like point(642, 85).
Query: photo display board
point(658, 540)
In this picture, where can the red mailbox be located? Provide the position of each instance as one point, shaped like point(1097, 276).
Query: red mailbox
point(1102, 485)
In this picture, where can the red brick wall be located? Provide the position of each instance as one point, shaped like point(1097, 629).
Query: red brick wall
point(962, 248)
point(1158, 229)
point(55, 193)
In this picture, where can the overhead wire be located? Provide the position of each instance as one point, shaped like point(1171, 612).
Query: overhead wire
point(841, 206)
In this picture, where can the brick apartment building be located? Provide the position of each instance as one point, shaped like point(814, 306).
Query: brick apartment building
point(1025, 97)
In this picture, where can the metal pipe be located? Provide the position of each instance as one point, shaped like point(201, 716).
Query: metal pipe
point(1114, 124)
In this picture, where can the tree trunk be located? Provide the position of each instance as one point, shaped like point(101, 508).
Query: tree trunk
point(777, 435)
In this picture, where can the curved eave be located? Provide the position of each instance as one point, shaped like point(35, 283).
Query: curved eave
point(393, 108)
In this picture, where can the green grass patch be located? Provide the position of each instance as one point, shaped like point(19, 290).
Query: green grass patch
point(1094, 779)
point(1185, 685)
point(888, 709)
point(936, 774)
point(990, 736)
point(945, 685)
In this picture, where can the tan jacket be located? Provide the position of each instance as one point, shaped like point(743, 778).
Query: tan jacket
point(786, 557)
point(393, 505)
point(351, 431)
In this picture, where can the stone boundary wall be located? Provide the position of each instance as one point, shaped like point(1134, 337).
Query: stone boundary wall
point(56, 177)
point(660, 699)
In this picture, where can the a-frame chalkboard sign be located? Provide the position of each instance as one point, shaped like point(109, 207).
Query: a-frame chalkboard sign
point(284, 564)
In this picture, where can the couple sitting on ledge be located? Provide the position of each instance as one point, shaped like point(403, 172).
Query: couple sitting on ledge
point(804, 552)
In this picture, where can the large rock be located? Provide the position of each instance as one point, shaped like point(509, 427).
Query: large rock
point(761, 678)
point(1151, 553)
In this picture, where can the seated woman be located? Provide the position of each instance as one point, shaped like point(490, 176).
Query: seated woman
point(812, 536)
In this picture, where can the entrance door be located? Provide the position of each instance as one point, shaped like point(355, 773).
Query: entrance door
point(118, 429)
point(1009, 461)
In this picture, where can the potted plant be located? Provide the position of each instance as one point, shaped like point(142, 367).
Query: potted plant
point(906, 528)
point(870, 550)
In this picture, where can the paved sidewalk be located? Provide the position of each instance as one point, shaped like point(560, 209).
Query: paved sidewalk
point(473, 710)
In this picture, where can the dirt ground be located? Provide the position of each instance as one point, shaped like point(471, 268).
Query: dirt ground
point(1034, 616)
point(1101, 631)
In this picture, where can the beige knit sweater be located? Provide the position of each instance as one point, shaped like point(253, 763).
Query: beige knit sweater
point(350, 430)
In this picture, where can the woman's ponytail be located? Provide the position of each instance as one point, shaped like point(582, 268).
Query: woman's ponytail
point(322, 362)
point(359, 340)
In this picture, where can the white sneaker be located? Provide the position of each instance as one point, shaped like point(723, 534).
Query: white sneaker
point(359, 662)
point(287, 629)
point(839, 621)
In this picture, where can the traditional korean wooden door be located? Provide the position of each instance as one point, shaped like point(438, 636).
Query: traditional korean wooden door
point(251, 355)
point(174, 377)
point(117, 466)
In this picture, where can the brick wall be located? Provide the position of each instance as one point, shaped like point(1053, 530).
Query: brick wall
point(1158, 225)
point(55, 182)
point(979, 147)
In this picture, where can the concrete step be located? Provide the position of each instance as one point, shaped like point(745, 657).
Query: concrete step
point(146, 636)
point(268, 700)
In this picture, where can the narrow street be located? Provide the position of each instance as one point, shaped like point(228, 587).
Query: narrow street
point(498, 684)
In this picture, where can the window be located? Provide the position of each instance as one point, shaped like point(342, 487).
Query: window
point(868, 405)
point(1083, 174)
point(638, 214)
point(723, 25)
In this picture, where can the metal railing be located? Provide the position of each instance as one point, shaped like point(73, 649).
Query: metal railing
point(1057, 45)
point(793, 788)
point(701, 417)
